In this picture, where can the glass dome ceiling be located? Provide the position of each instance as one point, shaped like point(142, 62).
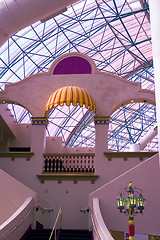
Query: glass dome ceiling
point(116, 35)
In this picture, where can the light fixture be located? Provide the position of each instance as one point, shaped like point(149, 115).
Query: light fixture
point(140, 202)
point(120, 202)
point(132, 200)
point(132, 203)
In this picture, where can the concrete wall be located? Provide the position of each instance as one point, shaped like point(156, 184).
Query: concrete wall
point(52, 194)
point(22, 219)
point(13, 194)
point(53, 144)
point(23, 136)
point(109, 92)
point(145, 176)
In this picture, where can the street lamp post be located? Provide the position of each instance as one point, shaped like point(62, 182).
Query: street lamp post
point(132, 204)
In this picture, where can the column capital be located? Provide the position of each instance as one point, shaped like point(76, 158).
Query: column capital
point(101, 120)
point(39, 120)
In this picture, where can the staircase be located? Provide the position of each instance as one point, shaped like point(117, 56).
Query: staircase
point(39, 234)
point(75, 235)
point(43, 234)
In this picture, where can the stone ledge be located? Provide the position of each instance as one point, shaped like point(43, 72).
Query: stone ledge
point(14, 155)
point(75, 177)
point(126, 155)
point(68, 154)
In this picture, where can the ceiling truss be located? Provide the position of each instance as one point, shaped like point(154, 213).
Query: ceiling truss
point(116, 35)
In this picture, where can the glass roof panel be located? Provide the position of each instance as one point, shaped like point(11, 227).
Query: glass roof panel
point(116, 35)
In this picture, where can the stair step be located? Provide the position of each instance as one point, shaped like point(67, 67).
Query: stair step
point(38, 234)
point(43, 234)
point(75, 235)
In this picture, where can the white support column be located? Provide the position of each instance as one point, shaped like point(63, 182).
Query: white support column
point(152, 132)
point(148, 137)
point(101, 127)
point(101, 141)
point(38, 140)
point(155, 33)
point(134, 148)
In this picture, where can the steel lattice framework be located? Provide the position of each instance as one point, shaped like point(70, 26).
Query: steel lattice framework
point(116, 35)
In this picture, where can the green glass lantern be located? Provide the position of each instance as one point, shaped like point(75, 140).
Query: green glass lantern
point(140, 202)
point(120, 202)
point(132, 200)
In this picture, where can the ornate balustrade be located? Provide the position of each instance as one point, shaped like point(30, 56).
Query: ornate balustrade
point(69, 163)
point(68, 167)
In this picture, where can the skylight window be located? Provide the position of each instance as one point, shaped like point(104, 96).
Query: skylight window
point(118, 43)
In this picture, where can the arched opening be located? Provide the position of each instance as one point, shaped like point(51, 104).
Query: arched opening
point(129, 124)
point(74, 124)
point(70, 112)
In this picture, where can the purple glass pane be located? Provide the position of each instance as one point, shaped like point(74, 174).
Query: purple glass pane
point(73, 65)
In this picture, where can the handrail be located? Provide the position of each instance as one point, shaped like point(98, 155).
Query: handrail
point(18, 224)
point(26, 215)
point(89, 209)
point(94, 224)
point(59, 215)
point(43, 208)
point(100, 224)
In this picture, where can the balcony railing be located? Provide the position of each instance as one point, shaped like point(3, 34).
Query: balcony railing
point(68, 167)
point(69, 163)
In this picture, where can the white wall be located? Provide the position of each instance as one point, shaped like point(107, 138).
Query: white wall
point(23, 136)
point(146, 176)
point(71, 196)
point(22, 219)
point(13, 194)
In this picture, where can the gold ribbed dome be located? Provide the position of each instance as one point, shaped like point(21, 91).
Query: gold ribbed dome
point(68, 95)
